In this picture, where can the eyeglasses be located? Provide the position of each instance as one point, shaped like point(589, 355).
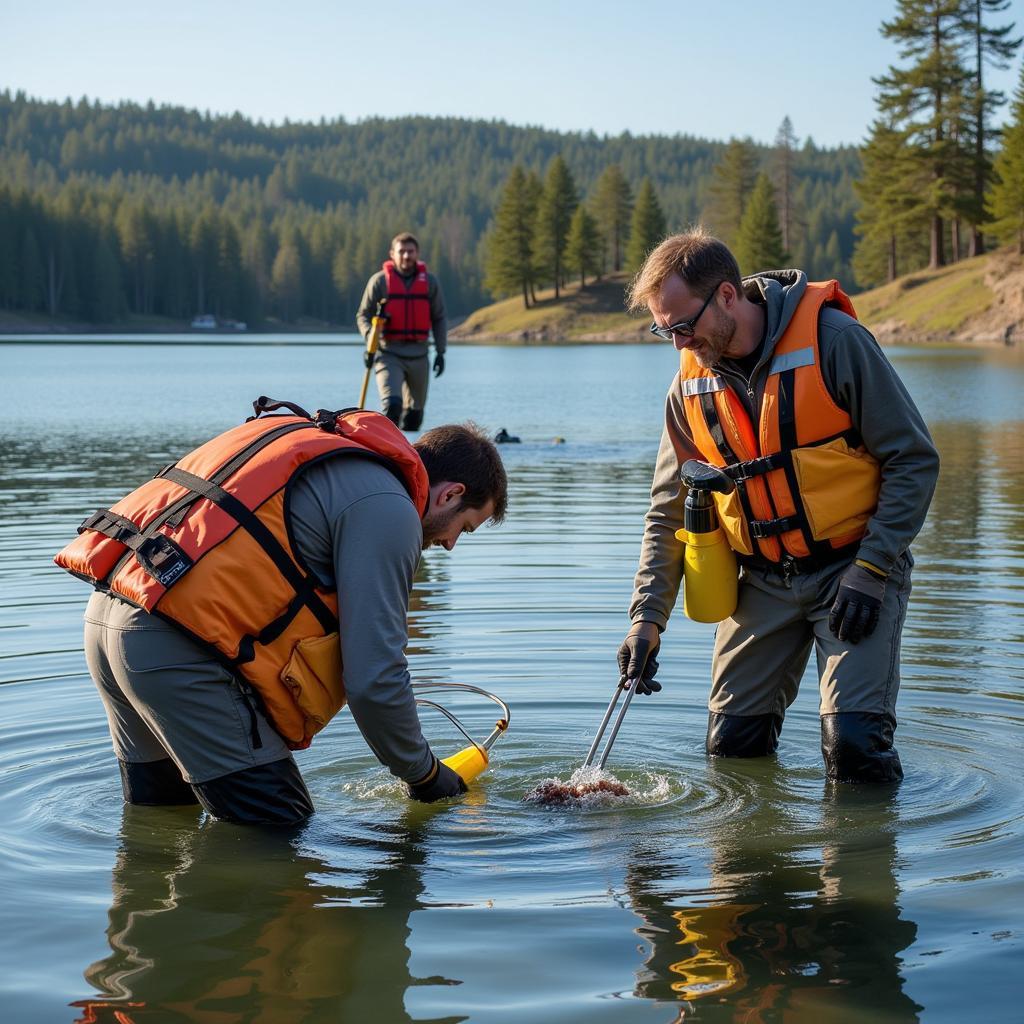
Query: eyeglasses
point(684, 328)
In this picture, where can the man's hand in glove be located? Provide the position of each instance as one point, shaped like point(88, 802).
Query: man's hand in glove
point(368, 358)
point(438, 364)
point(440, 782)
point(855, 612)
point(636, 657)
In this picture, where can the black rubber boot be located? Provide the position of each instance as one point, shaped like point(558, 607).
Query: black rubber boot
point(155, 784)
point(857, 747)
point(267, 794)
point(412, 419)
point(393, 410)
point(742, 735)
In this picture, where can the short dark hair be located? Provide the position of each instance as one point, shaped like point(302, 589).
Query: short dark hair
point(405, 236)
point(462, 453)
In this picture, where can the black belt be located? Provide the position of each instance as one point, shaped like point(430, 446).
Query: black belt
point(790, 565)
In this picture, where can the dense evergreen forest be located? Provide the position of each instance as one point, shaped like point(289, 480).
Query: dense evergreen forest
point(111, 211)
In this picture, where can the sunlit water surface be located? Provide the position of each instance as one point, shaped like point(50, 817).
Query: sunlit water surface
point(717, 891)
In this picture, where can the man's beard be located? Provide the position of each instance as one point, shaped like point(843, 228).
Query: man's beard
point(436, 524)
point(716, 341)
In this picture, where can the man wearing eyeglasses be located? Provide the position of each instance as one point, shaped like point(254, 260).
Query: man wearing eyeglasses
point(834, 468)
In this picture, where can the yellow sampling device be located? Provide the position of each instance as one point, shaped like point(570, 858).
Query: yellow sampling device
point(372, 344)
point(709, 563)
point(472, 760)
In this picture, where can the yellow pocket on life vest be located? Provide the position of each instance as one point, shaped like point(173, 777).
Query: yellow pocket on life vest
point(313, 677)
point(733, 522)
point(839, 487)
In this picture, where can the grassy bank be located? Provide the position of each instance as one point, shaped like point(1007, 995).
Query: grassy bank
point(979, 300)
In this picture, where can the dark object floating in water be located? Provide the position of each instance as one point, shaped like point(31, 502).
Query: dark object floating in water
point(504, 437)
point(555, 793)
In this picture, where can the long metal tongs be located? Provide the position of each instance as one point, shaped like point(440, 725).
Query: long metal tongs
point(630, 687)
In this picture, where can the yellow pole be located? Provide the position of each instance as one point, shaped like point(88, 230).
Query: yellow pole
point(372, 344)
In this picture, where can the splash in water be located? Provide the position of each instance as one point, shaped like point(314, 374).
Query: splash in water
point(585, 787)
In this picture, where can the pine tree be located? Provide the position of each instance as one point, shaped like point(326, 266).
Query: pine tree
point(995, 47)
point(785, 148)
point(286, 280)
point(647, 227)
point(1006, 199)
point(510, 247)
point(924, 98)
point(892, 213)
point(557, 204)
point(759, 240)
point(583, 246)
point(612, 205)
point(732, 182)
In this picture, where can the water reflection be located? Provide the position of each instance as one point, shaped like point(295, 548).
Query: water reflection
point(217, 923)
point(797, 918)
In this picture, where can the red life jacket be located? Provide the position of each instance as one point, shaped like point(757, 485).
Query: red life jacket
point(806, 485)
point(408, 305)
point(206, 545)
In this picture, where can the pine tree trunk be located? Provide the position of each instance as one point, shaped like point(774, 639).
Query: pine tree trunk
point(937, 256)
point(954, 256)
point(892, 258)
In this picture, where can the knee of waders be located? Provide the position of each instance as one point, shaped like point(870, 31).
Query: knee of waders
point(411, 419)
point(266, 794)
point(155, 784)
point(857, 747)
point(393, 410)
point(742, 735)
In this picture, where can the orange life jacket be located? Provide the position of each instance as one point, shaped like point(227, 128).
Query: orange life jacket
point(206, 545)
point(408, 305)
point(805, 484)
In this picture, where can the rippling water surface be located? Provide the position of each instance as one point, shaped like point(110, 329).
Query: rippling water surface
point(716, 891)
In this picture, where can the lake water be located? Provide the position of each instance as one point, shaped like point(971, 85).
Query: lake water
point(720, 891)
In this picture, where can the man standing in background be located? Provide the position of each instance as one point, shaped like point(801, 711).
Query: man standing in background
point(415, 308)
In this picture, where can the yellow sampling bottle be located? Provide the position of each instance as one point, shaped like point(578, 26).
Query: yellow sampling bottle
point(710, 574)
point(468, 762)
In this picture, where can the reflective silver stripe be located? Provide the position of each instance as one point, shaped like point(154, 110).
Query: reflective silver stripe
point(702, 386)
point(791, 360)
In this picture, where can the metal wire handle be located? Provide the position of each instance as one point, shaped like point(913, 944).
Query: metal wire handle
point(499, 727)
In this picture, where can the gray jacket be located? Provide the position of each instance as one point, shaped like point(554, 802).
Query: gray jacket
point(377, 288)
point(861, 381)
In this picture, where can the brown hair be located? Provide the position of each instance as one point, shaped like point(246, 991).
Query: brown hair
point(700, 259)
point(405, 236)
point(462, 453)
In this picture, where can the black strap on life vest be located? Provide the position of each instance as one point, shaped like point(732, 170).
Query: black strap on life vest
point(714, 425)
point(177, 510)
point(158, 554)
point(263, 536)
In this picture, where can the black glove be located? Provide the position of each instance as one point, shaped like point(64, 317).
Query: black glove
point(438, 364)
point(855, 612)
point(368, 358)
point(440, 782)
point(637, 661)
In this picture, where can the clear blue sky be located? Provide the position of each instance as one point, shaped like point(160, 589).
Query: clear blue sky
point(711, 69)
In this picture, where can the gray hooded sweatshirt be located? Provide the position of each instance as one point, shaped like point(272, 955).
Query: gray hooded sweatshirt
point(861, 381)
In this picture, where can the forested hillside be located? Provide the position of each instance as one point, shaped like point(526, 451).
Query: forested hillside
point(111, 211)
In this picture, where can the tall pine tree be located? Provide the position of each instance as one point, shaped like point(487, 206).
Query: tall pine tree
point(557, 203)
point(759, 240)
point(994, 47)
point(924, 98)
point(732, 182)
point(583, 246)
point(510, 247)
point(647, 227)
point(613, 204)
